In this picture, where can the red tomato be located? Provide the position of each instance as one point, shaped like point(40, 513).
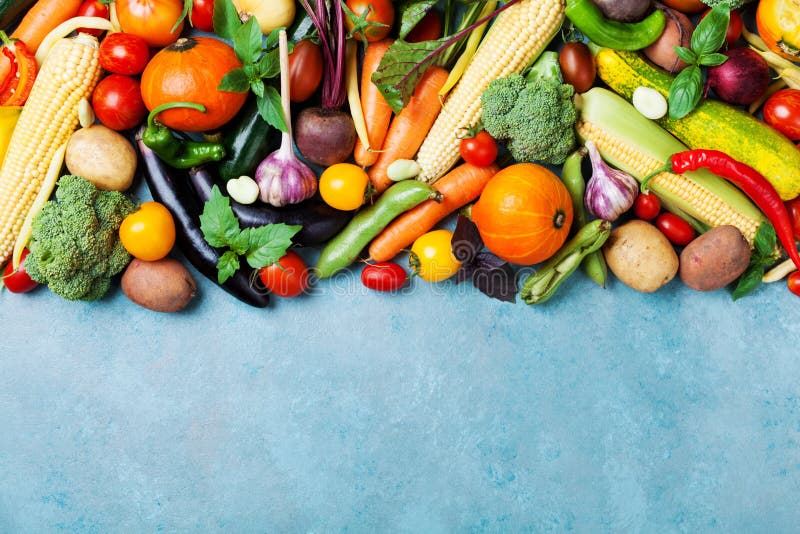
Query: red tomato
point(794, 283)
point(117, 102)
point(151, 19)
point(480, 150)
point(124, 53)
point(793, 207)
point(383, 276)
point(647, 206)
point(782, 112)
point(92, 8)
point(377, 11)
point(305, 70)
point(203, 15)
point(288, 277)
point(18, 281)
point(428, 29)
point(678, 231)
point(734, 27)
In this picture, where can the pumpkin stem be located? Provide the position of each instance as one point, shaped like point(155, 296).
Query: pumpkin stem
point(183, 44)
point(559, 219)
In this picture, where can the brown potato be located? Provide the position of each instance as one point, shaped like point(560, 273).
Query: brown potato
point(677, 32)
point(715, 259)
point(163, 286)
point(102, 156)
point(641, 256)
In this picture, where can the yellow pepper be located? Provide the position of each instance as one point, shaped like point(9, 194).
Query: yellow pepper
point(778, 24)
point(8, 120)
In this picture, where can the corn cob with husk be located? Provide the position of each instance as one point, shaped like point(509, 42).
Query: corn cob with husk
point(514, 41)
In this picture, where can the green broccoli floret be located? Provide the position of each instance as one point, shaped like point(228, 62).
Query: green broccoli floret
point(75, 247)
point(733, 4)
point(536, 118)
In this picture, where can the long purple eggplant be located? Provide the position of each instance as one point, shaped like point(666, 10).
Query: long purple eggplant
point(171, 188)
point(320, 222)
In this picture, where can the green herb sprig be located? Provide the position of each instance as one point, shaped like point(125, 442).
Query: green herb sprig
point(762, 256)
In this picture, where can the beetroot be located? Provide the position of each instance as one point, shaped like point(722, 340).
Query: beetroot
point(742, 79)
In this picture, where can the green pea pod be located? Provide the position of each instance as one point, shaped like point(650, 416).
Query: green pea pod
point(594, 264)
point(588, 18)
point(343, 249)
point(542, 284)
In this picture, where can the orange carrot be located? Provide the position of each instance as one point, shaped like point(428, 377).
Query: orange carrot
point(410, 126)
point(377, 112)
point(459, 187)
point(44, 16)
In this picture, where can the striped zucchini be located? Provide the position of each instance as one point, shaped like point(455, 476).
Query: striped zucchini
point(713, 124)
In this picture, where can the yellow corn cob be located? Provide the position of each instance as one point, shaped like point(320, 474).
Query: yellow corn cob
point(49, 117)
point(514, 41)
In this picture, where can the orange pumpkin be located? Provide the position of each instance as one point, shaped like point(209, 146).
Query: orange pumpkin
point(778, 24)
point(524, 214)
point(190, 70)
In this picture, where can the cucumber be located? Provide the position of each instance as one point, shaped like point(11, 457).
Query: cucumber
point(248, 139)
point(11, 10)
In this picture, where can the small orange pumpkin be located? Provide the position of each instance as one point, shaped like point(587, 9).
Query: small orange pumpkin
point(190, 70)
point(778, 23)
point(524, 214)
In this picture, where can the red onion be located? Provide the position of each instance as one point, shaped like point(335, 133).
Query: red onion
point(609, 192)
point(742, 79)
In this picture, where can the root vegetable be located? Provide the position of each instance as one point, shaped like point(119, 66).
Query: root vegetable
point(715, 259)
point(641, 256)
point(102, 156)
point(742, 79)
point(163, 286)
point(677, 32)
point(624, 10)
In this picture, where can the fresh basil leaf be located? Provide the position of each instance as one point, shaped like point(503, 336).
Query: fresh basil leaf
point(269, 65)
point(235, 81)
point(227, 265)
point(749, 281)
point(709, 36)
point(765, 241)
point(413, 11)
point(257, 86)
point(272, 38)
point(226, 19)
point(686, 55)
point(218, 222)
point(685, 92)
point(269, 243)
point(712, 60)
point(271, 109)
point(466, 241)
point(247, 42)
point(241, 242)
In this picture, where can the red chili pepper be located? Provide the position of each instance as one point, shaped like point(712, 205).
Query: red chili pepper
point(749, 180)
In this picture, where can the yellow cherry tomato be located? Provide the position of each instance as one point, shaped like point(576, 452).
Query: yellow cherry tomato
point(343, 185)
point(434, 255)
point(149, 232)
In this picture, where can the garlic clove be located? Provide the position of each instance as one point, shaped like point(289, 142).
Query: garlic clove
point(243, 190)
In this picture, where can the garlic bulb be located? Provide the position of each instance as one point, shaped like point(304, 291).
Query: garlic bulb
point(609, 192)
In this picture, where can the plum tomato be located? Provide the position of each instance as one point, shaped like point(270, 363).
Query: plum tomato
point(117, 102)
point(577, 66)
point(647, 206)
point(343, 185)
point(18, 281)
point(124, 53)
point(378, 12)
point(678, 231)
point(287, 277)
point(149, 232)
point(432, 256)
point(479, 150)
point(305, 70)
point(383, 276)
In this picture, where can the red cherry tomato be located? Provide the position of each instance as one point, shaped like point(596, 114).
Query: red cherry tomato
point(480, 150)
point(678, 231)
point(782, 112)
point(288, 277)
point(305, 70)
point(794, 283)
point(428, 29)
point(647, 206)
point(793, 207)
point(92, 8)
point(203, 15)
point(383, 276)
point(124, 53)
point(117, 102)
point(377, 11)
point(18, 281)
point(734, 27)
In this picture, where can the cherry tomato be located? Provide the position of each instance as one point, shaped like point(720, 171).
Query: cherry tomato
point(383, 276)
point(203, 15)
point(18, 281)
point(288, 277)
point(117, 102)
point(432, 256)
point(343, 185)
point(92, 8)
point(377, 11)
point(305, 70)
point(782, 112)
point(151, 19)
point(427, 29)
point(124, 53)
point(480, 150)
point(149, 232)
point(647, 206)
point(734, 27)
point(686, 6)
point(578, 66)
point(794, 283)
point(678, 231)
point(793, 207)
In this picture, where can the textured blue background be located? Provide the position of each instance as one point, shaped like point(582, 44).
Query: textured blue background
point(435, 411)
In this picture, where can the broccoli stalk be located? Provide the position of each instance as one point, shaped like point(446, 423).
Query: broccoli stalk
point(533, 115)
point(75, 247)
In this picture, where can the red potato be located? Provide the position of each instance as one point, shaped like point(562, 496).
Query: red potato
point(715, 259)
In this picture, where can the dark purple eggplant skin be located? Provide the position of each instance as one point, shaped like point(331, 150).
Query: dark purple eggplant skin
point(320, 222)
point(171, 188)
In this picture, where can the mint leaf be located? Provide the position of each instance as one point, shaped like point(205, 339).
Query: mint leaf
point(686, 55)
point(412, 12)
point(401, 68)
point(269, 243)
point(218, 222)
point(685, 92)
point(227, 265)
point(709, 36)
point(247, 42)
point(712, 60)
point(270, 109)
point(226, 19)
point(749, 281)
point(234, 81)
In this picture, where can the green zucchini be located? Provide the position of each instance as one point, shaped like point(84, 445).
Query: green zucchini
point(11, 10)
point(247, 139)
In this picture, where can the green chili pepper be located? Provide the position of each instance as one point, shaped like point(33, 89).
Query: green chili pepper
point(594, 264)
point(173, 151)
point(343, 249)
point(542, 284)
point(588, 18)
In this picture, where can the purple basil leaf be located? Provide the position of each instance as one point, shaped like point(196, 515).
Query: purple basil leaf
point(494, 277)
point(466, 240)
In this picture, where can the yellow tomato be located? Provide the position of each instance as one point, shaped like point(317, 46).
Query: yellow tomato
point(342, 186)
point(149, 232)
point(432, 256)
